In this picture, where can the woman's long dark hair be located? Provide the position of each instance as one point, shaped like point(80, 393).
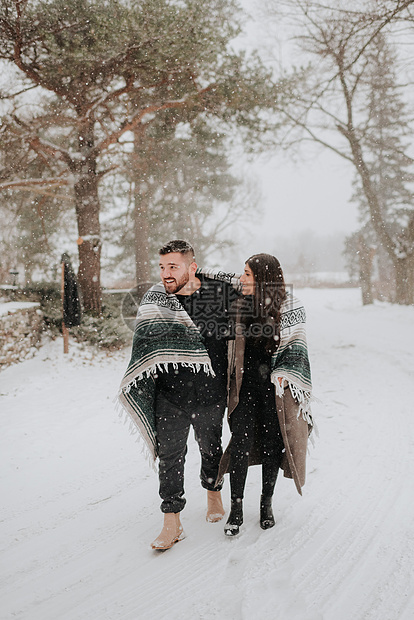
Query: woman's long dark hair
point(270, 293)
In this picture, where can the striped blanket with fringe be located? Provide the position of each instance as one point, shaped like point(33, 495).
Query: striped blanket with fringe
point(164, 337)
point(290, 362)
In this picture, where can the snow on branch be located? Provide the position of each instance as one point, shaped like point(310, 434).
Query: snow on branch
point(24, 183)
point(137, 118)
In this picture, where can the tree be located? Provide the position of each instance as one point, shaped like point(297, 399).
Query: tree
point(31, 220)
point(107, 68)
point(30, 234)
point(180, 186)
point(360, 254)
point(351, 104)
point(391, 169)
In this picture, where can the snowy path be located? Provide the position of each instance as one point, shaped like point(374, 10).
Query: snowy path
point(80, 505)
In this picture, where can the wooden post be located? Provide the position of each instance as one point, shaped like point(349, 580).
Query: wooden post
point(65, 330)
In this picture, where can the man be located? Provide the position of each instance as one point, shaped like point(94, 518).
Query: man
point(177, 377)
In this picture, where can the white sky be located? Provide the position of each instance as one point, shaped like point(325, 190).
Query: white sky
point(311, 194)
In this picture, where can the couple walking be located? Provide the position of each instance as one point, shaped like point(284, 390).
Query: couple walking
point(204, 341)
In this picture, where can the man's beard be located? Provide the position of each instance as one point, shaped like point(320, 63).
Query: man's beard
point(177, 285)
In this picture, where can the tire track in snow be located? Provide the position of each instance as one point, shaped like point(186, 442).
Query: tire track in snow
point(343, 551)
point(353, 549)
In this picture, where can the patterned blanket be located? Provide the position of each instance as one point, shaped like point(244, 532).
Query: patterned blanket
point(290, 362)
point(164, 336)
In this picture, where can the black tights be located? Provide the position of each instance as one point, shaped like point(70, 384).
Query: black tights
point(256, 409)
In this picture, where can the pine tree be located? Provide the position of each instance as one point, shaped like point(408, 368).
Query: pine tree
point(391, 170)
point(181, 186)
point(108, 68)
point(350, 103)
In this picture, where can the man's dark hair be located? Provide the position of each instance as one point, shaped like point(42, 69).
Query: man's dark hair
point(178, 245)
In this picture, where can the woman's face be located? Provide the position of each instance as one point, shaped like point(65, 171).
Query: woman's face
point(247, 281)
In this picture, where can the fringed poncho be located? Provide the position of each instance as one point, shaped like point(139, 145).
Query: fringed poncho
point(164, 337)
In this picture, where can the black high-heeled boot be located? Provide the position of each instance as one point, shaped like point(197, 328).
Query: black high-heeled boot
point(235, 520)
point(267, 519)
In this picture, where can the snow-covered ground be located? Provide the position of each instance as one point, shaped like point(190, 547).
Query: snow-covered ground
point(80, 505)
point(15, 306)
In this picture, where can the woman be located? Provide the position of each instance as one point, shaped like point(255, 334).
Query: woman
point(269, 388)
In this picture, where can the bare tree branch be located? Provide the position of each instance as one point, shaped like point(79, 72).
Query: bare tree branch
point(24, 183)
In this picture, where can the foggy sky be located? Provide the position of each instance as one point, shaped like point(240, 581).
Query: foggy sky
point(311, 193)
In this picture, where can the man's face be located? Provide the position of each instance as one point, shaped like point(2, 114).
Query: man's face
point(175, 271)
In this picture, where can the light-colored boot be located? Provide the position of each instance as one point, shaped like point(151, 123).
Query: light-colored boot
point(215, 510)
point(171, 533)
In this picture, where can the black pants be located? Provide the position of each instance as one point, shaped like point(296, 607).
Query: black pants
point(173, 425)
point(255, 413)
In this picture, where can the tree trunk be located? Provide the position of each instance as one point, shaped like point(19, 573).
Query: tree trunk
point(403, 266)
point(365, 258)
point(141, 230)
point(89, 242)
point(87, 212)
point(410, 287)
point(377, 218)
point(404, 277)
point(141, 224)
